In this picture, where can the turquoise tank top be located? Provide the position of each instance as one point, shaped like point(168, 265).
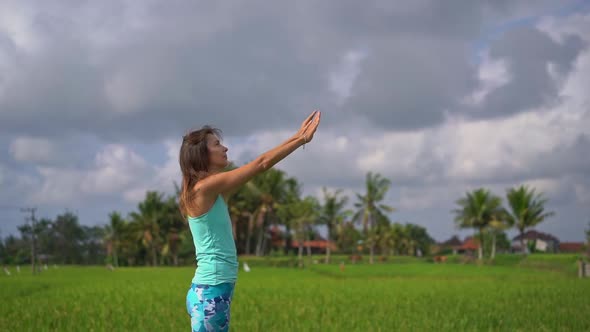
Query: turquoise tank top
point(217, 260)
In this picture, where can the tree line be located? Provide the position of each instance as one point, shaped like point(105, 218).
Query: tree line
point(269, 216)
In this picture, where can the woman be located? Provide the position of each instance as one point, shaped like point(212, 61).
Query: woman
point(205, 190)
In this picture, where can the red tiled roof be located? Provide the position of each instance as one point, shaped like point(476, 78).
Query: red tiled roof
point(316, 244)
point(469, 244)
point(571, 246)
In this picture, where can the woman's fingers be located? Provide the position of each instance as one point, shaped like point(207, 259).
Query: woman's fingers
point(316, 121)
point(309, 126)
point(308, 119)
point(311, 115)
point(312, 126)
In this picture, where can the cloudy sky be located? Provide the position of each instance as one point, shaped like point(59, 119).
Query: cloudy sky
point(439, 97)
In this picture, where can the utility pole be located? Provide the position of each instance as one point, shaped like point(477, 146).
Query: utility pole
point(33, 237)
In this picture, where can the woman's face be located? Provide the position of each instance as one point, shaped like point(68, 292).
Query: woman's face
point(217, 153)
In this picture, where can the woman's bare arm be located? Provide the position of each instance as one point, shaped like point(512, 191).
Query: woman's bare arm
point(225, 182)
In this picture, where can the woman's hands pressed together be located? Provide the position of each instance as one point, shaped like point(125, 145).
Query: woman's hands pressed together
point(309, 126)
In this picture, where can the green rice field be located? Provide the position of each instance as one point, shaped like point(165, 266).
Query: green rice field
point(539, 293)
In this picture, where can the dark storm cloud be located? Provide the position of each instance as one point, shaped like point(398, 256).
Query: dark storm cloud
point(167, 73)
point(408, 83)
point(147, 71)
point(528, 53)
point(573, 159)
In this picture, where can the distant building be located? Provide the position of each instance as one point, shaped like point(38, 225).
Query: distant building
point(316, 246)
point(469, 246)
point(453, 244)
point(573, 247)
point(543, 242)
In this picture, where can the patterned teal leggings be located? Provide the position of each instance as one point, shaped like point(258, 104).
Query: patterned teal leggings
point(209, 306)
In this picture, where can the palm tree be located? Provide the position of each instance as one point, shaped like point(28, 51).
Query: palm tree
point(146, 223)
point(408, 242)
point(498, 224)
point(387, 241)
point(348, 237)
point(113, 235)
point(129, 246)
point(418, 239)
point(527, 209)
point(301, 215)
point(292, 195)
point(241, 211)
point(244, 207)
point(171, 226)
point(477, 210)
point(369, 207)
point(270, 189)
point(378, 234)
point(396, 237)
point(332, 214)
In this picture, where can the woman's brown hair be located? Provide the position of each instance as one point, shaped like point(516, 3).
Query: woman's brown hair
point(194, 161)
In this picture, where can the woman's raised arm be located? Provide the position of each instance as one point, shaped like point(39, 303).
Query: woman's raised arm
point(225, 182)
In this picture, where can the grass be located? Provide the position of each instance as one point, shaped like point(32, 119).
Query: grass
point(513, 295)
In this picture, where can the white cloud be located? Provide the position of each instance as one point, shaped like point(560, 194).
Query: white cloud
point(492, 74)
point(57, 186)
point(456, 153)
point(169, 173)
point(559, 28)
point(395, 154)
point(513, 145)
point(575, 87)
point(507, 145)
point(34, 149)
point(16, 23)
point(244, 149)
point(344, 75)
point(117, 168)
point(497, 153)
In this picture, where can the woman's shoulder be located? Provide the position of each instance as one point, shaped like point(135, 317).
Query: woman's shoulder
point(203, 200)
